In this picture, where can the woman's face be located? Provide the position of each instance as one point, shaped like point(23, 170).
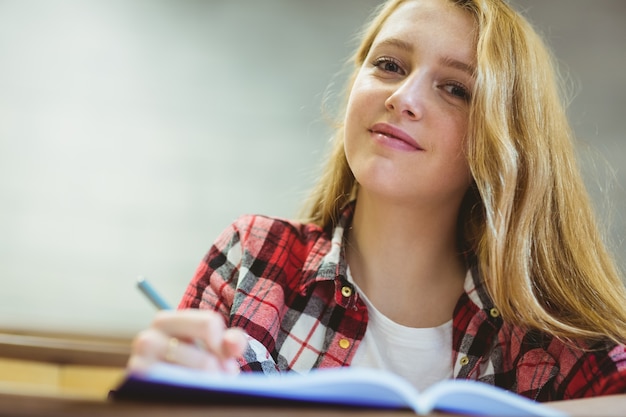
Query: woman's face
point(407, 113)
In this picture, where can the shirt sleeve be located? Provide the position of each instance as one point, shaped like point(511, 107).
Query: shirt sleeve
point(602, 372)
point(214, 285)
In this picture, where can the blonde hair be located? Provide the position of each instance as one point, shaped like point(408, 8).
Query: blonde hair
point(527, 218)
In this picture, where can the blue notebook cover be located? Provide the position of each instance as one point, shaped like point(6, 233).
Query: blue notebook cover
point(334, 387)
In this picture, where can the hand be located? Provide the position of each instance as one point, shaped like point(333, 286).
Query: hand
point(192, 338)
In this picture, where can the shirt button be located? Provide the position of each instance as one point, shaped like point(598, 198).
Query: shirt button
point(346, 291)
point(464, 361)
point(344, 343)
point(494, 312)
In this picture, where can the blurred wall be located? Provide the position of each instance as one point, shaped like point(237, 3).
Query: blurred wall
point(133, 132)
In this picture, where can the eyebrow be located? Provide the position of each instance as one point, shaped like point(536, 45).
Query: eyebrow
point(445, 60)
point(397, 43)
point(460, 65)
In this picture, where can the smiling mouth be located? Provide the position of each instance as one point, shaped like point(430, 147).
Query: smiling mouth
point(394, 136)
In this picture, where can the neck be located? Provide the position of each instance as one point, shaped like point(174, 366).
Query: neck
point(405, 259)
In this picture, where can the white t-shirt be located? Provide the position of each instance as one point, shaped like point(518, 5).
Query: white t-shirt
point(420, 355)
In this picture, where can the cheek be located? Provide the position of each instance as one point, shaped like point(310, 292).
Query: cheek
point(460, 164)
point(364, 94)
point(355, 103)
point(354, 112)
point(364, 103)
point(456, 148)
point(457, 134)
point(355, 127)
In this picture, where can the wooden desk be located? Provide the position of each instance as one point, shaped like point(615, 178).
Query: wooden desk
point(608, 406)
point(20, 405)
point(61, 363)
point(23, 405)
point(75, 351)
point(64, 349)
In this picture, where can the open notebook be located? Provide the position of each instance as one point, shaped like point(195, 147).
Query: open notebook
point(336, 387)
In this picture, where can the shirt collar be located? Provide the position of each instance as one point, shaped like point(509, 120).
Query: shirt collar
point(475, 289)
point(326, 261)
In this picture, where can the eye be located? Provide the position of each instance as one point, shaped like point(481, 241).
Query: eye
point(458, 90)
point(388, 64)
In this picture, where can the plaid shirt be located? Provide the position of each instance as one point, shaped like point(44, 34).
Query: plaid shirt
point(285, 284)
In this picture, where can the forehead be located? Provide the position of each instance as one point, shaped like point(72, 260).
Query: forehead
point(433, 24)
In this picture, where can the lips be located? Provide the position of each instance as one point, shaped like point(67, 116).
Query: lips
point(395, 134)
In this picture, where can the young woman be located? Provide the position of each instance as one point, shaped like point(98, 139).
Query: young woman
point(450, 235)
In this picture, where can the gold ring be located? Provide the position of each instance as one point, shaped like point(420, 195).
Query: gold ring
point(172, 344)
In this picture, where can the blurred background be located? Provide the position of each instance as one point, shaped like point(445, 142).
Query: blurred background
point(133, 132)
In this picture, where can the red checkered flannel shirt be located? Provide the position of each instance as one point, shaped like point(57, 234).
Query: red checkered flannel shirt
point(285, 284)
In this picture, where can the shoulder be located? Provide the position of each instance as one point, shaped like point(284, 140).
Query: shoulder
point(531, 362)
point(592, 370)
point(555, 369)
point(274, 238)
point(257, 227)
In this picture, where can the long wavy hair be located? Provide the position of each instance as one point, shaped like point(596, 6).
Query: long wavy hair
point(527, 218)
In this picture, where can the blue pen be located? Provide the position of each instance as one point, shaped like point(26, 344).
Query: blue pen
point(161, 304)
point(152, 295)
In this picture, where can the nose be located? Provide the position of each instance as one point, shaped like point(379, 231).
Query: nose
point(408, 99)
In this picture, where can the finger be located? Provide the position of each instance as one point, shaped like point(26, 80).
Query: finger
point(192, 356)
point(213, 336)
point(147, 343)
point(205, 326)
point(138, 364)
point(171, 349)
point(155, 345)
point(145, 349)
point(234, 343)
point(189, 355)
